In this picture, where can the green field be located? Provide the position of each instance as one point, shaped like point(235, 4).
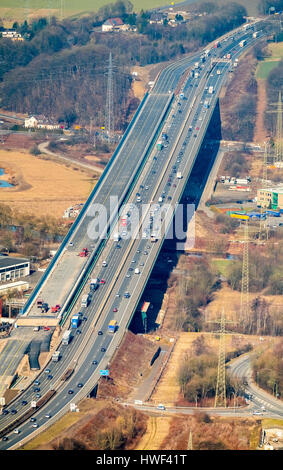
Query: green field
point(12, 10)
point(264, 68)
point(18, 10)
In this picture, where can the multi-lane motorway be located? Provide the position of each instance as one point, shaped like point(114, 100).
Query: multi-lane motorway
point(139, 168)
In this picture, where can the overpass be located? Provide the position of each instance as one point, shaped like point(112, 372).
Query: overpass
point(185, 122)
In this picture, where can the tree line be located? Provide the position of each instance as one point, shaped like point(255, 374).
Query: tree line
point(62, 66)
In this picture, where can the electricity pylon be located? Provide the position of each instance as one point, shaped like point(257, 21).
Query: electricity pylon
point(220, 391)
point(263, 223)
point(109, 116)
point(245, 274)
point(279, 134)
point(26, 10)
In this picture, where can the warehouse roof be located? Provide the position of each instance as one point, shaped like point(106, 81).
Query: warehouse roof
point(8, 261)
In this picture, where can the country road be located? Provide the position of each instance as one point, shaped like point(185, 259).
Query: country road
point(43, 147)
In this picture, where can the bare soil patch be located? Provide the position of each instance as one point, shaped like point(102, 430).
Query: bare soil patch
point(125, 375)
point(260, 133)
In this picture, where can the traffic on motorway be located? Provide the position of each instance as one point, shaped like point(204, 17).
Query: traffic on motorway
point(125, 263)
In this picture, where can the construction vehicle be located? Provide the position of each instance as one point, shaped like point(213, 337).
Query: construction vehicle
point(84, 253)
point(44, 307)
point(112, 326)
point(55, 309)
point(94, 283)
point(39, 302)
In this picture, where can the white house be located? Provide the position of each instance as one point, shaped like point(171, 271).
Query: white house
point(31, 121)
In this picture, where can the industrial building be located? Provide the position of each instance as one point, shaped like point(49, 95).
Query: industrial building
point(12, 269)
point(270, 197)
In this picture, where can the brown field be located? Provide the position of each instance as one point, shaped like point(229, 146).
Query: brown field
point(43, 186)
point(168, 390)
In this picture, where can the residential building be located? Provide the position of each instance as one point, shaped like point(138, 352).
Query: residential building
point(157, 18)
point(31, 121)
point(11, 269)
point(114, 24)
point(12, 34)
point(270, 197)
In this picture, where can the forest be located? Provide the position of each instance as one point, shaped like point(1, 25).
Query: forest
point(61, 67)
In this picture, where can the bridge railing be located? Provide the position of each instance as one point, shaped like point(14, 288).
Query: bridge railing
point(82, 213)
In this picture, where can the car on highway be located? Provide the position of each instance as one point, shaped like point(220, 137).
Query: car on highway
point(35, 425)
point(115, 309)
point(36, 382)
point(102, 349)
point(46, 328)
point(127, 295)
point(47, 371)
point(94, 363)
point(47, 416)
point(17, 431)
point(71, 244)
point(4, 438)
point(32, 420)
point(100, 333)
point(13, 412)
point(5, 412)
point(24, 402)
point(80, 385)
point(257, 412)
point(102, 281)
point(70, 392)
point(37, 389)
point(49, 377)
point(78, 332)
point(37, 395)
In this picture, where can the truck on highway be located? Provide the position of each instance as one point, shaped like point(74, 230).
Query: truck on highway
point(75, 321)
point(210, 89)
point(66, 338)
point(255, 34)
point(67, 375)
point(56, 356)
point(116, 237)
point(153, 237)
point(112, 326)
point(94, 283)
point(85, 300)
point(179, 175)
point(206, 104)
point(159, 145)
